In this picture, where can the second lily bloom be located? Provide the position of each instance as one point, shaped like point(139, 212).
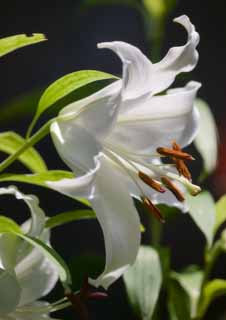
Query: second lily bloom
point(109, 140)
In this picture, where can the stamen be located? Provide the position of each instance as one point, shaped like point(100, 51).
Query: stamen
point(182, 169)
point(152, 209)
point(174, 153)
point(180, 164)
point(151, 182)
point(173, 188)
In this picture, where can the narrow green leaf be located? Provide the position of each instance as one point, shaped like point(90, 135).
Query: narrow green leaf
point(10, 142)
point(143, 282)
point(178, 302)
point(51, 254)
point(212, 290)
point(202, 211)
point(206, 140)
point(159, 8)
point(65, 85)
point(220, 213)
point(191, 282)
point(12, 43)
point(8, 225)
point(40, 179)
point(69, 216)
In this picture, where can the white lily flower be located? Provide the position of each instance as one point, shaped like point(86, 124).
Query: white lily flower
point(109, 140)
point(26, 275)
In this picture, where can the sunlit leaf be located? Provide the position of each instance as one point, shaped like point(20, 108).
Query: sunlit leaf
point(143, 282)
point(202, 211)
point(220, 212)
point(190, 282)
point(12, 43)
point(206, 140)
point(10, 142)
point(8, 225)
point(159, 8)
point(40, 179)
point(69, 216)
point(211, 291)
point(64, 86)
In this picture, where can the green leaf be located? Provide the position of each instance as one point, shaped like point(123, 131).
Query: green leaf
point(211, 291)
point(51, 254)
point(40, 179)
point(190, 282)
point(10, 142)
point(143, 282)
point(202, 211)
point(10, 292)
point(69, 216)
point(220, 213)
point(178, 302)
point(206, 140)
point(8, 225)
point(12, 43)
point(65, 85)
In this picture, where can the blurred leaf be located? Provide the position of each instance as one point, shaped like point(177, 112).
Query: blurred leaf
point(12, 43)
point(220, 212)
point(164, 255)
point(178, 302)
point(211, 291)
point(206, 140)
point(8, 225)
point(69, 216)
point(19, 107)
point(64, 86)
point(159, 8)
point(143, 282)
point(40, 179)
point(10, 142)
point(190, 282)
point(202, 211)
point(52, 255)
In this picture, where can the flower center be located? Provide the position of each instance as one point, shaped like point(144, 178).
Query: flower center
point(156, 176)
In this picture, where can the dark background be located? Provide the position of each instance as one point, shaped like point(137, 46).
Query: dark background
point(73, 34)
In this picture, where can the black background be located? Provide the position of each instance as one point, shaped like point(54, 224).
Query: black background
point(73, 34)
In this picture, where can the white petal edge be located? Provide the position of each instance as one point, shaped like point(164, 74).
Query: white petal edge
point(141, 76)
point(119, 221)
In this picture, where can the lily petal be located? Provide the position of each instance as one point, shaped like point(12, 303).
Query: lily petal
point(37, 214)
point(119, 221)
point(157, 121)
point(76, 146)
point(32, 311)
point(36, 274)
point(10, 292)
point(96, 113)
point(142, 77)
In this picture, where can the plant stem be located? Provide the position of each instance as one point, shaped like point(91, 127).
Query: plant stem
point(156, 231)
point(41, 133)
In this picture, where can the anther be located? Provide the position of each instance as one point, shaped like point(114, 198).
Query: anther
point(180, 164)
point(182, 169)
point(151, 182)
point(173, 188)
point(153, 209)
point(174, 153)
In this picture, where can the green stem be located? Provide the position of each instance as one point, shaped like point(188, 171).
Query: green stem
point(41, 133)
